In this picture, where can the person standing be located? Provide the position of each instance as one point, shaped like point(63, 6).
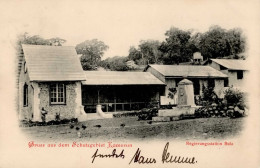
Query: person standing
point(43, 114)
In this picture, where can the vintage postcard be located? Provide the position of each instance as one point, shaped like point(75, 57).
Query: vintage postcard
point(130, 84)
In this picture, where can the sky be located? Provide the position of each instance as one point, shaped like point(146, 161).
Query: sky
point(121, 24)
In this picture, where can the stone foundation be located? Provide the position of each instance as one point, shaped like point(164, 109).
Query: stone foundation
point(177, 111)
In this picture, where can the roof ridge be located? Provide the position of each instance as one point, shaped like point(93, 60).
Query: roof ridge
point(44, 45)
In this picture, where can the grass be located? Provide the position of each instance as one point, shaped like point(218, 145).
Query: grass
point(111, 129)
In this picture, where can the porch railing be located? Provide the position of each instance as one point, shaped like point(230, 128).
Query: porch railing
point(114, 107)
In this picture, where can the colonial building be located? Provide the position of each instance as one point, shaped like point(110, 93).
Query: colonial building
point(236, 70)
point(120, 91)
point(50, 78)
point(171, 75)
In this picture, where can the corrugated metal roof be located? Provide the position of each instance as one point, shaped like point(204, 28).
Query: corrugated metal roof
point(232, 64)
point(53, 63)
point(188, 71)
point(120, 78)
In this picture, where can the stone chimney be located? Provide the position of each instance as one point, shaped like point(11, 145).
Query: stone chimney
point(197, 57)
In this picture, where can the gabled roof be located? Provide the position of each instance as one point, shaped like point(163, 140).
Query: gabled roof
point(232, 64)
point(52, 63)
point(120, 78)
point(188, 71)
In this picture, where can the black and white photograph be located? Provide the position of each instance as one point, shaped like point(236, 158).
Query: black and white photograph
point(130, 83)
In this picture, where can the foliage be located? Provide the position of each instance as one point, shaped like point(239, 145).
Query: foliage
point(34, 40)
point(92, 52)
point(172, 92)
point(146, 53)
point(150, 52)
point(176, 47)
point(218, 42)
point(219, 110)
point(147, 113)
point(134, 54)
point(234, 97)
point(208, 95)
point(38, 40)
point(30, 123)
point(180, 45)
point(116, 63)
point(126, 114)
point(57, 41)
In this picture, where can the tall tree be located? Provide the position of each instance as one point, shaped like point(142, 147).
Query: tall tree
point(134, 54)
point(115, 63)
point(149, 51)
point(57, 41)
point(213, 43)
point(38, 40)
point(34, 40)
point(92, 52)
point(176, 48)
point(235, 41)
point(194, 42)
point(218, 42)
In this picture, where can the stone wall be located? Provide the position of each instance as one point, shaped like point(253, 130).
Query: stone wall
point(67, 110)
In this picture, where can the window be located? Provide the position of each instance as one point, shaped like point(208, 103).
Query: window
point(239, 74)
point(211, 83)
point(25, 67)
point(225, 82)
point(25, 95)
point(177, 80)
point(196, 86)
point(57, 93)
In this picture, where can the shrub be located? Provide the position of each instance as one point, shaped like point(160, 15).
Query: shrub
point(172, 92)
point(234, 97)
point(147, 113)
point(126, 114)
point(208, 96)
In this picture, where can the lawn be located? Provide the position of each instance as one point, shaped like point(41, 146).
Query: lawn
point(127, 128)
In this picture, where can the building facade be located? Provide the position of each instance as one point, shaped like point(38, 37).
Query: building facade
point(236, 70)
point(201, 76)
point(120, 91)
point(50, 79)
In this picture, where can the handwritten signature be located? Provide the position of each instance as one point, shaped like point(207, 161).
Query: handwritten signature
point(113, 155)
point(140, 159)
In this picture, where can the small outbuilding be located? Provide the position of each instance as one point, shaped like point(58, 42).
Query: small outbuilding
point(171, 75)
point(236, 70)
point(50, 78)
